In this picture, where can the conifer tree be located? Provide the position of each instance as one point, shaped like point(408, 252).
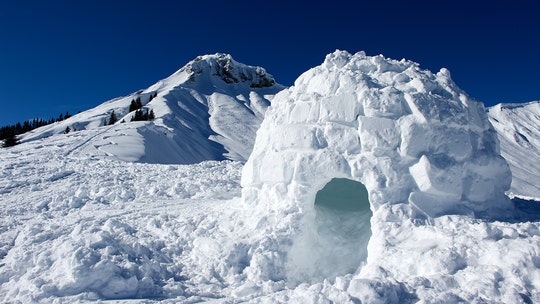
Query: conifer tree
point(112, 118)
point(137, 116)
point(67, 130)
point(132, 106)
point(145, 115)
point(26, 126)
point(10, 139)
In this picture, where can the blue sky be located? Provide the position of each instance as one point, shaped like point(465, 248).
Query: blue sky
point(58, 56)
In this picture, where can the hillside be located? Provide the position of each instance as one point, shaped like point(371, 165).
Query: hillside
point(518, 129)
point(109, 213)
point(210, 109)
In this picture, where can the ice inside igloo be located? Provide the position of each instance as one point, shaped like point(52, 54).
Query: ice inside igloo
point(358, 146)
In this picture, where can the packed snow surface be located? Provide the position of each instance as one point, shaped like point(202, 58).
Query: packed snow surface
point(83, 218)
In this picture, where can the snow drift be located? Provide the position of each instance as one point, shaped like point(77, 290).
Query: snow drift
point(210, 109)
point(421, 147)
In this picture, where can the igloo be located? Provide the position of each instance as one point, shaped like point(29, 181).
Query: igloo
point(420, 146)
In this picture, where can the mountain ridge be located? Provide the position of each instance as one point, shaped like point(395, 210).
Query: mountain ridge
point(211, 108)
point(213, 102)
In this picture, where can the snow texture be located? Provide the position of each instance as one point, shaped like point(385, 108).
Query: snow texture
point(419, 144)
point(208, 110)
point(83, 219)
point(518, 129)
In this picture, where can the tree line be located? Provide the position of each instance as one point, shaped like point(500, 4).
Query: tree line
point(9, 133)
point(139, 115)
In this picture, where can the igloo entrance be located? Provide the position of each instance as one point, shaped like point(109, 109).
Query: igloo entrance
point(334, 241)
point(343, 223)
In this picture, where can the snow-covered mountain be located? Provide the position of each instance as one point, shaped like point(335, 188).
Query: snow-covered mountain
point(210, 109)
point(518, 129)
point(96, 215)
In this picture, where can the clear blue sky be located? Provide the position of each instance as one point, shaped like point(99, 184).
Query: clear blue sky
point(58, 56)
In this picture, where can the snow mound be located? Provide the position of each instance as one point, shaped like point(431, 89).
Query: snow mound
point(76, 230)
point(419, 145)
point(518, 129)
point(210, 109)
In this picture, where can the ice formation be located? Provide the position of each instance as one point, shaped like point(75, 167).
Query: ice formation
point(421, 147)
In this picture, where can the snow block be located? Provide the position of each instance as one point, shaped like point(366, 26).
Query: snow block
point(413, 138)
point(445, 180)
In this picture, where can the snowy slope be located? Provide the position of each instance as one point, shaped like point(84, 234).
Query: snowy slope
point(518, 129)
point(208, 110)
point(78, 223)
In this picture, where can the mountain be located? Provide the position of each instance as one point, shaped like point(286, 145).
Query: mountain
point(518, 129)
point(210, 109)
point(83, 218)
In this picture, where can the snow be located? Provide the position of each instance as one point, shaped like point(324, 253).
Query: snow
point(105, 213)
point(518, 129)
point(423, 149)
point(213, 102)
point(102, 229)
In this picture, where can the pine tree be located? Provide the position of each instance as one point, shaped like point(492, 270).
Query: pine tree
point(11, 138)
point(132, 106)
point(112, 118)
point(67, 130)
point(137, 116)
point(145, 115)
point(135, 104)
point(151, 115)
point(26, 126)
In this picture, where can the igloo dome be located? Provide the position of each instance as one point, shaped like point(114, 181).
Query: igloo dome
point(359, 142)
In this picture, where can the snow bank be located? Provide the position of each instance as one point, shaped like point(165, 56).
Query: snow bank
point(418, 143)
point(75, 228)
